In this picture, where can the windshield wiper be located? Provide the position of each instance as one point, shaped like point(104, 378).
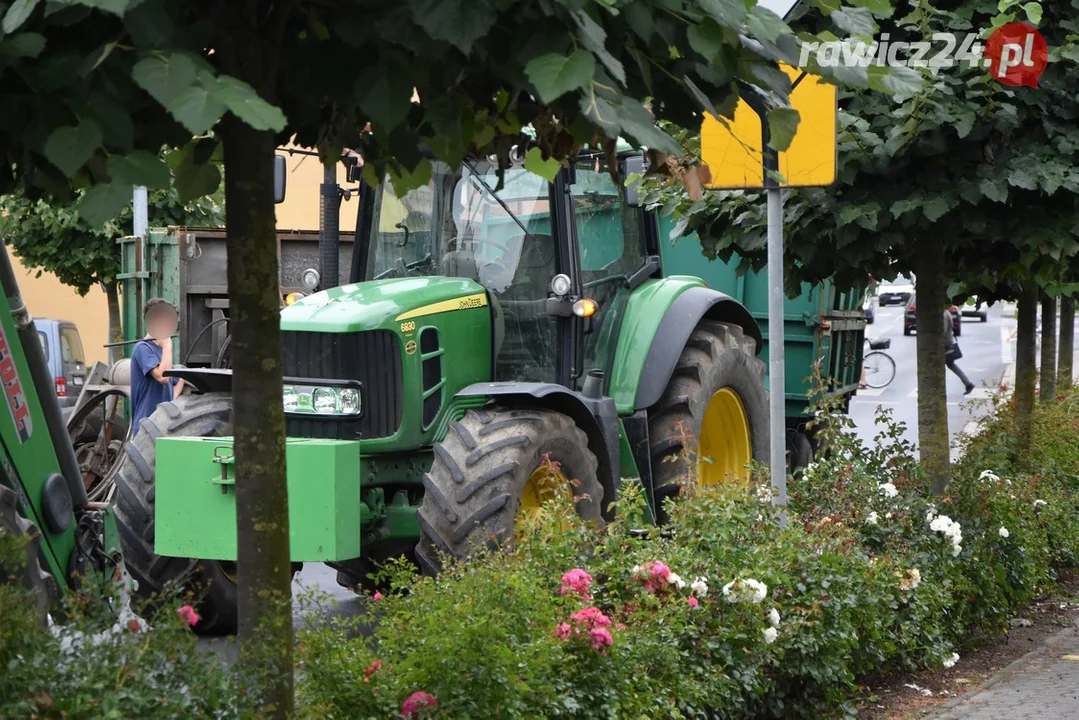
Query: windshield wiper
point(478, 182)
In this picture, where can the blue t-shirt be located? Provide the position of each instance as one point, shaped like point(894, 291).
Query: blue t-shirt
point(146, 392)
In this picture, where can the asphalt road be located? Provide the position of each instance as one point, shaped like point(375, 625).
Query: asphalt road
point(987, 353)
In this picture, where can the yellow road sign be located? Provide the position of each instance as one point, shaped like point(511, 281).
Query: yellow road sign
point(735, 156)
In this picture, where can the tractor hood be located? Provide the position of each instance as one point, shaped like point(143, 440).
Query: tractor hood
point(380, 303)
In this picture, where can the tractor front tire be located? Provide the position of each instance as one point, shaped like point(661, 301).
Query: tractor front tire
point(718, 361)
point(206, 415)
point(41, 588)
point(481, 471)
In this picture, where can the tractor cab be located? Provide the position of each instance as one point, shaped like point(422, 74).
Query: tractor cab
point(552, 257)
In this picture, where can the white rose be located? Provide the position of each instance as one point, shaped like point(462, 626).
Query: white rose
point(888, 489)
point(1039, 503)
point(951, 661)
point(676, 580)
point(1003, 532)
point(700, 587)
point(770, 635)
point(773, 617)
point(989, 475)
point(872, 518)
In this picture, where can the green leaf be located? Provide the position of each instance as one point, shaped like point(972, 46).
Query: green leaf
point(728, 13)
point(165, 77)
point(782, 124)
point(765, 24)
point(103, 202)
point(458, 22)
point(1033, 11)
point(936, 208)
point(243, 102)
point(404, 179)
point(638, 123)
point(194, 180)
point(116, 7)
point(881, 8)
point(995, 191)
point(17, 14)
point(639, 17)
point(1023, 177)
point(706, 38)
point(595, 38)
point(554, 75)
point(385, 95)
point(546, 169)
point(139, 168)
point(198, 107)
point(855, 21)
point(25, 45)
point(68, 148)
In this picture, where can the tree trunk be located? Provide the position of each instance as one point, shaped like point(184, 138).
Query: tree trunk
point(1067, 341)
point(116, 332)
point(248, 49)
point(1025, 366)
point(931, 303)
point(1048, 365)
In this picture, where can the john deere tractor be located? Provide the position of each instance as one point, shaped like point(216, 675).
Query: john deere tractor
point(486, 331)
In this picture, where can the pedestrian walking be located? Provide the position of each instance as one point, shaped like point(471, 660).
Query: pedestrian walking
point(953, 353)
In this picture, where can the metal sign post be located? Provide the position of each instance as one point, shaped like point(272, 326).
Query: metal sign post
point(738, 154)
point(777, 384)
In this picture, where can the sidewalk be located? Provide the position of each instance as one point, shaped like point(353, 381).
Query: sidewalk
point(1042, 685)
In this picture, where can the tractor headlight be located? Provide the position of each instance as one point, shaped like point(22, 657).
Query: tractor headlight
point(321, 400)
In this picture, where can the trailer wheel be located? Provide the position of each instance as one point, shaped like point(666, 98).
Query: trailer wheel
point(801, 452)
point(716, 399)
point(188, 415)
point(490, 469)
point(39, 585)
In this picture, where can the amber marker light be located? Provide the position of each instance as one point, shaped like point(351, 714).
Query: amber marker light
point(585, 308)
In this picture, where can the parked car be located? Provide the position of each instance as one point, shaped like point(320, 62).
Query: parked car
point(62, 346)
point(896, 292)
point(910, 317)
point(867, 307)
point(980, 309)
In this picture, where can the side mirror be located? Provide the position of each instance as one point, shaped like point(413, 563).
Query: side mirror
point(353, 170)
point(280, 171)
point(634, 165)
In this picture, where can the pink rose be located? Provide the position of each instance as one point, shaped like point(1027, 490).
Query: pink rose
point(601, 639)
point(693, 602)
point(188, 615)
point(576, 581)
point(416, 702)
point(377, 596)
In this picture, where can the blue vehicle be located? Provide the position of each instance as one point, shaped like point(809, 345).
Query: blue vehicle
point(62, 346)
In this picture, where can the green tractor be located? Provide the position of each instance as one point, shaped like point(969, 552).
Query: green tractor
point(485, 332)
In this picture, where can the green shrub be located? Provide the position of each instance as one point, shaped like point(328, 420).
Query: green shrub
point(870, 573)
point(105, 664)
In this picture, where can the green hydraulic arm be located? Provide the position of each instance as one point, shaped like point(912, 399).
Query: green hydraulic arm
point(38, 460)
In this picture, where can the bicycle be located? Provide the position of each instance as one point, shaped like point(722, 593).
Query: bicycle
point(879, 367)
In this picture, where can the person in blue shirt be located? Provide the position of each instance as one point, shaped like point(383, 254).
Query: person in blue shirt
point(150, 359)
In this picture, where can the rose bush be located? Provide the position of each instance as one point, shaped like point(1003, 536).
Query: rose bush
point(871, 573)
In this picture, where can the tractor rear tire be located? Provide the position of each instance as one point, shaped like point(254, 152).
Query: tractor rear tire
point(480, 472)
point(41, 588)
point(206, 415)
point(718, 356)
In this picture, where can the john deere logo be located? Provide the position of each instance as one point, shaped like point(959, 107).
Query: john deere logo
point(410, 347)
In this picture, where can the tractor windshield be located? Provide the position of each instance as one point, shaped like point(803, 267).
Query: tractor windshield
point(457, 225)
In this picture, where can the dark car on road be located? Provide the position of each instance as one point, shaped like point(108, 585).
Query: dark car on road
point(62, 346)
point(910, 317)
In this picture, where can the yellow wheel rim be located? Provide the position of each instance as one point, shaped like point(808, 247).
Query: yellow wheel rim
point(724, 448)
point(544, 484)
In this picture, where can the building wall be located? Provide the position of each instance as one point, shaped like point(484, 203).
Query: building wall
point(300, 210)
point(47, 297)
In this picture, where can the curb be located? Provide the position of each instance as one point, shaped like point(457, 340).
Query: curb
point(1006, 672)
